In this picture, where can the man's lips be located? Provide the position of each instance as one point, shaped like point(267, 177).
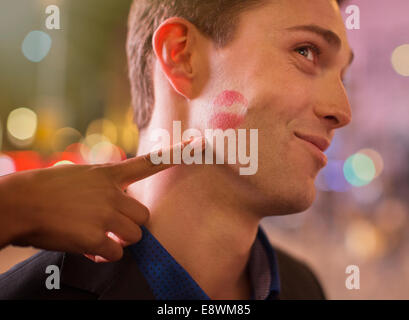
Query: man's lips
point(317, 145)
point(320, 142)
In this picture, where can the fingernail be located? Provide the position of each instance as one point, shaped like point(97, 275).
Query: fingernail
point(117, 239)
point(90, 256)
point(99, 259)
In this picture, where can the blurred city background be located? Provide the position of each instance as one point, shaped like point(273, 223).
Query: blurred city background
point(64, 98)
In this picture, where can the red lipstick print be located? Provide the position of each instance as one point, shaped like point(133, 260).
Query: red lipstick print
point(230, 108)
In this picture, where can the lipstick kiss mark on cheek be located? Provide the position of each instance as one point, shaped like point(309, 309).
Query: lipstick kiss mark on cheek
point(226, 121)
point(228, 98)
point(230, 108)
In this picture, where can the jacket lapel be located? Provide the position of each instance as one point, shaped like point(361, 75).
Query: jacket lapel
point(108, 281)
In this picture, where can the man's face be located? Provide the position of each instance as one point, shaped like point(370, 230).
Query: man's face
point(289, 68)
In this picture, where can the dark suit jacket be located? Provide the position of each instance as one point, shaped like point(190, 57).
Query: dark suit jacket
point(82, 279)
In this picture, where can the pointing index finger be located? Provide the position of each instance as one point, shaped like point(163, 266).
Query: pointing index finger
point(141, 167)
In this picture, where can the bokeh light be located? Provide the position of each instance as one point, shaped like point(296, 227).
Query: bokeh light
point(331, 178)
point(36, 45)
point(89, 142)
point(103, 127)
point(62, 162)
point(400, 60)
point(76, 152)
point(99, 147)
point(363, 240)
point(359, 170)
point(21, 126)
point(129, 139)
point(376, 160)
point(7, 165)
point(51, 118)
point(65, 137)
point(26, 160)
point(104, 152)
point(130, 133)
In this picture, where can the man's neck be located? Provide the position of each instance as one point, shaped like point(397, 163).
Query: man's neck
point(196, 216)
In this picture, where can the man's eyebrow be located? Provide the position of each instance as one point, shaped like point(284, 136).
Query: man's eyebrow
point(329, 36)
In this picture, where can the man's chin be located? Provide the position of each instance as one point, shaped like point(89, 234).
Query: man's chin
point(292, 201)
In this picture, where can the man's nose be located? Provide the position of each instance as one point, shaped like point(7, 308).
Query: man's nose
point(333, 107)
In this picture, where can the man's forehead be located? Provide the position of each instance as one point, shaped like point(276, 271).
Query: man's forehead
point(289, 13)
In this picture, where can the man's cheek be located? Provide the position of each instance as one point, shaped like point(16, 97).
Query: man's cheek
point(229, 110)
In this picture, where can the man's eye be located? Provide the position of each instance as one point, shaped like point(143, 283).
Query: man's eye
point(309, 52)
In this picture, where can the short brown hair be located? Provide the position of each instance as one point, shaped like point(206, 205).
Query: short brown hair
point(216, 19)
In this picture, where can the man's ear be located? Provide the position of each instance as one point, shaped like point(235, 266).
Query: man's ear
point(172, 44)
